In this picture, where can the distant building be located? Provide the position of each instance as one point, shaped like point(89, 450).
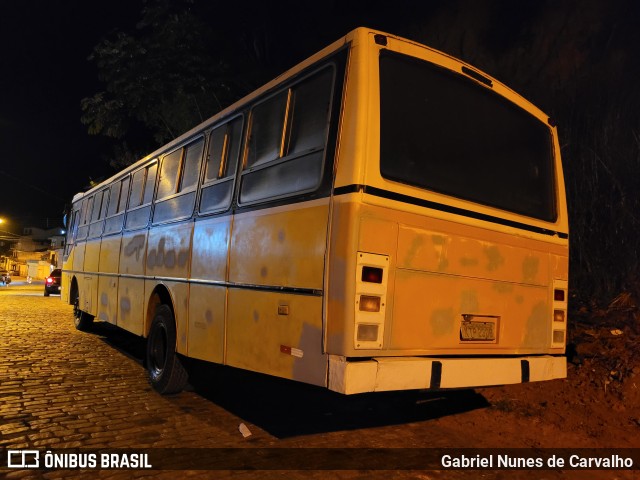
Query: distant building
point(36, 252)
point(7, 242)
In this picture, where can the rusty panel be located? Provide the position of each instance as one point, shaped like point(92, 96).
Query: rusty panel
point(261, 339)
point(433, 251)
point(132, 254)
point(92, 256)
point(341, 282)
point(206, 322)
point(284, 246)
point(378, 235)
point(210, 249)
point(107, 295)
point(88, 282)
point(169, 250)
point(107, 305)
point(130, 305)
point(76, 259)
point(110, 254)
point(428, 310)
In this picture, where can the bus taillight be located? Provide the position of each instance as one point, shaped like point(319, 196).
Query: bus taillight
point(559, 317)
point(371, 292)
point(369, 303)
point(371, 274)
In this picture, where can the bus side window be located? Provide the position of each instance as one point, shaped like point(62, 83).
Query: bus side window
point(99, 210)
point(85, 217)
point(72, 230)
point(179, 175)
point(221, 165)
point(117, 203)
point(285, 153)
point(142, 186)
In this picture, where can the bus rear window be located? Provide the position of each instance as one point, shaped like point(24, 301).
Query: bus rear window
point(443, 132)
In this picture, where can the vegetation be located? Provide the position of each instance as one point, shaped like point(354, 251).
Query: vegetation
point(188, 59)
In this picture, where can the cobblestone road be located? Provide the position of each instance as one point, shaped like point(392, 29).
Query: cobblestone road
point(65, 389)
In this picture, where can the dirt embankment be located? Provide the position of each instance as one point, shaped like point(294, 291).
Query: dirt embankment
point(598, 405)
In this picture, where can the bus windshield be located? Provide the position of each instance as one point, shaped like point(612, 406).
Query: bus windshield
point(446, 133)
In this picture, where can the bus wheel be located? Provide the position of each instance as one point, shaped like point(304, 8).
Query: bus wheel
point(82, 320)
point(166, 373)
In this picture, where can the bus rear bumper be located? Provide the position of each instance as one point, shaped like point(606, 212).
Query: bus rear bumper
point(409, 373)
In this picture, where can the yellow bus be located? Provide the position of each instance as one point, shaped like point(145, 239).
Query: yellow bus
point(380, 217)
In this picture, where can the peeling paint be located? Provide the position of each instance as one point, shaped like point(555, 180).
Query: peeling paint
point(469, 301)
point(442, 322)
point(414, 249)
point(438, 239)
point(502, 287)
point(170, 259)
point(183, 258)
point(469, 262)
point(494, 258)
point(135, 246)
point(530, 268)
point(125, 306)
point(537, 327)
point(439, 244)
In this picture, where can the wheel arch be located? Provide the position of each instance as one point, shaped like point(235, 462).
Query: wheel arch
point(159, 296)
point(73, 290)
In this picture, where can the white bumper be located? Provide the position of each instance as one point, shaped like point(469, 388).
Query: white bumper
point(409, 373)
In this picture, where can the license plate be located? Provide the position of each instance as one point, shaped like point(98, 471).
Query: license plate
point(478, 331)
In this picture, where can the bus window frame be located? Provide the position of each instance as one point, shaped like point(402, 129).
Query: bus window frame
point(119, 213)
point(129, 210)
point(85, 218)
point(179, 191)
point(72, 229)
point(230, 177)
point(333, 65)
point(96, 226)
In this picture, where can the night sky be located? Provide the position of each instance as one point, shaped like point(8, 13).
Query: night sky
point(46, 155)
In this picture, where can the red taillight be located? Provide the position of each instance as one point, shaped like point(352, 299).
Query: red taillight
point(558, 295)
point(49, 280)
point(372, 274)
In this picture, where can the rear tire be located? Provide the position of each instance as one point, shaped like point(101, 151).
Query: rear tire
point(82, 320)
point(166, 372)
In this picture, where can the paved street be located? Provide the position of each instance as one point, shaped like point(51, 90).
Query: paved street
point(65, 389)
point(61, 389)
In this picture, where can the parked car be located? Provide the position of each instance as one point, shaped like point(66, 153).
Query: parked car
point(5, 278)
point(52, 282)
